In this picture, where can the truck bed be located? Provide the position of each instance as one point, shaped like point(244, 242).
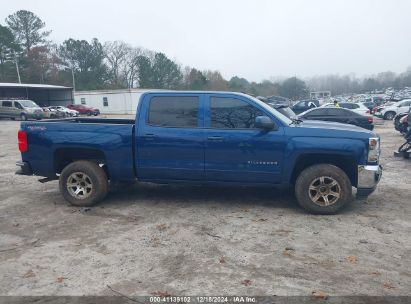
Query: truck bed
point(54, 142)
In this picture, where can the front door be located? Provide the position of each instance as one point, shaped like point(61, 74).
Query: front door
point(170, 138)
point(236, 151)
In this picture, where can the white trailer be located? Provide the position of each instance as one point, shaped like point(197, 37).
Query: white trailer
point(110, 101)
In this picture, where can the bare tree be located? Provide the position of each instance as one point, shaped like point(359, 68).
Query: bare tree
point(130, 67)
point(116, 53)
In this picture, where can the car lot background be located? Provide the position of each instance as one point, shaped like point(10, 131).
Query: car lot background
point(147, 239)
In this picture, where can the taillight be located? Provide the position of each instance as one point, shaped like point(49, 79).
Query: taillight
point(22, 139)
point(370, 119)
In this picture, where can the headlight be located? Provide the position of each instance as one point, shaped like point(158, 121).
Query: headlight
point(373, 149)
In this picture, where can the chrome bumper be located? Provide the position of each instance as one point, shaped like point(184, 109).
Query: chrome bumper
point(368, 178)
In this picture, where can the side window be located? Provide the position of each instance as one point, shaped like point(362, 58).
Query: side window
point(317, 112)
point(105, 102)
point(18, 105)
point(174, 111)
point(347, 105)
point(83, 101)
point(334, 112)
point(232, 113)
point(406, 104)
point(7, 104)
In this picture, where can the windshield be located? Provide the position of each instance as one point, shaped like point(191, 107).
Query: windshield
point(28, 104)
point(276, 113)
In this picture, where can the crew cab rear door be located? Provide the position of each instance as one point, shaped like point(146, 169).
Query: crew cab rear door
point(236, 151)
point(170, 137)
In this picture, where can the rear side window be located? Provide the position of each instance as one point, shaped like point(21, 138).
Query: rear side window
point(174, 111)
point(232, 113)
point(316, 112)
point(335, 112)
point(349, 105)
point(7, 104)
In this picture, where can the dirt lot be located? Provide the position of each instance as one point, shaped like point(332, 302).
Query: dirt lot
point(147, 239)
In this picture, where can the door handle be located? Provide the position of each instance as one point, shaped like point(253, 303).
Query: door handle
point(215, 138)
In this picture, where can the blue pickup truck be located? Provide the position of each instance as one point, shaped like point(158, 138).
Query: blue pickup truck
point(203, 138)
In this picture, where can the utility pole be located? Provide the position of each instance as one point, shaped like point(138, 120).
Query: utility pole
point(74, 83)
point(17, 66)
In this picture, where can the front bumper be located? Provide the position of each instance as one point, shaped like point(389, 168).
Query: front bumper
point(24, 169)
point(368, 178)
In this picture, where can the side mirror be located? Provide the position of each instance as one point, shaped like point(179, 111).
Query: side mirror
point(265, 122)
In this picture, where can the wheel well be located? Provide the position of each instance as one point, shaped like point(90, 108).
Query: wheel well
point(389, 112)
point(65, 156)
point(345, 163)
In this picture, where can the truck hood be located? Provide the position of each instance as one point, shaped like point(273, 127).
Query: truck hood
point(331, 129)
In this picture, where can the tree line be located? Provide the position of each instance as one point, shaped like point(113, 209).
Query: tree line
point(25, 47)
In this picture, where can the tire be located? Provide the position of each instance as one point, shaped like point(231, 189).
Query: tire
point(93, 178)
point(23, 117)
point(405, 147)
point(316, 185)
point(389, 116)
point(12, 118)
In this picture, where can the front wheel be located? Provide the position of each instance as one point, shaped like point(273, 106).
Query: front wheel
point(23, 117)
point(323, 189)
point(389, 116)
point(83, 183)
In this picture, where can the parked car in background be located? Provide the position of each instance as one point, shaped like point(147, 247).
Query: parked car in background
point(68, 112)
point(280, 106)
point(51, 113)
point(279, 99)
point(338, 115)
point(401, 123)
point(21, 109)
point(389, 112)
point(283, 109)
point(304, 105)
point(83, 109)
point(369, 105)
point(355, 107)
point(379, 108)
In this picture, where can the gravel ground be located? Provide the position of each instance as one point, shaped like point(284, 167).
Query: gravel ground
point(148, 239)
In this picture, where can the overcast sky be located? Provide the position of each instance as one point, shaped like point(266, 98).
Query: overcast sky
point(255, 39)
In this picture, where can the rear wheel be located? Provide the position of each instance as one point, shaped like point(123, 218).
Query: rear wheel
point(323, 189)
point(389, 116)
point(83, 183)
